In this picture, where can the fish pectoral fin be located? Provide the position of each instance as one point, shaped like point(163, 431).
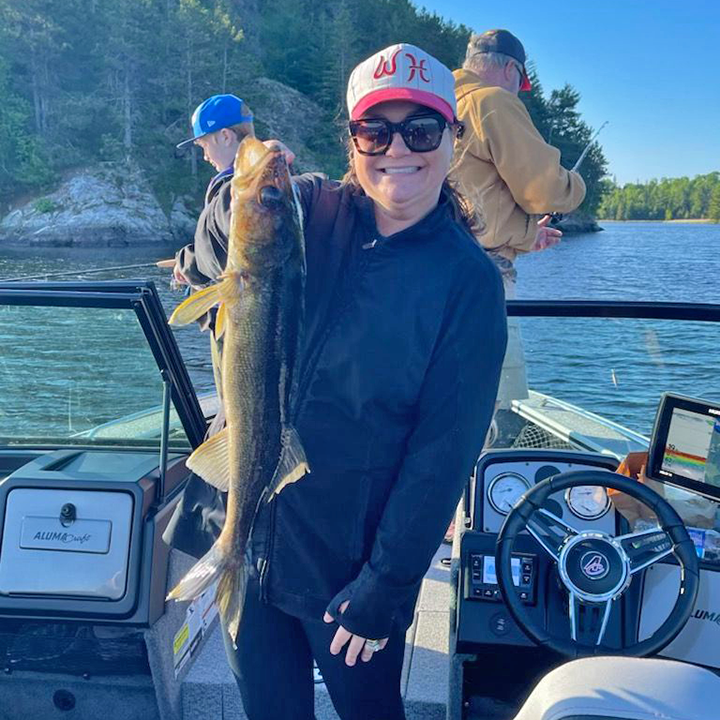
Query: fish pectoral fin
point(210, 461)
point(292, 465)
point(216, 357)
point(195, 306)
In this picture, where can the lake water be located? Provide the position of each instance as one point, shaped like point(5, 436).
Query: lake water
point(617, 368)
point(628, 261)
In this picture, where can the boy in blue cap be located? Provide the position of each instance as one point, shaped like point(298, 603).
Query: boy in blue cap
point(219, 125)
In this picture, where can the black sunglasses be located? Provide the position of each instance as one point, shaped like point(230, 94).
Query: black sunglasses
point(421, 133)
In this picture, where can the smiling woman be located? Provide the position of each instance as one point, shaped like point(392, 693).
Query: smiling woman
point(404, 178)
point(398, 371)
point(402, 123)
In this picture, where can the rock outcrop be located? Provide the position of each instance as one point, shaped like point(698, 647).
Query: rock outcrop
point(287, 115)
point(111, 205)
point(576, 222)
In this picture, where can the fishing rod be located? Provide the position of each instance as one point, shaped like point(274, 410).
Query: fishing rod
point(587, 148)
point(555, 218)
point(81, 272)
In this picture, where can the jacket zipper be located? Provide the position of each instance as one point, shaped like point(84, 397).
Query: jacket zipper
point(266, 560)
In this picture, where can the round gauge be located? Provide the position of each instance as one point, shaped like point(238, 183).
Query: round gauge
point(588, 502)
point(505, 490)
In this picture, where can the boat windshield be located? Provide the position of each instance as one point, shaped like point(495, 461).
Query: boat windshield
point(80, 376)
point(594, 383)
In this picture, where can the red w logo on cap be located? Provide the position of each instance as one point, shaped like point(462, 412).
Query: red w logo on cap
point(383, 68)
point(419, 67)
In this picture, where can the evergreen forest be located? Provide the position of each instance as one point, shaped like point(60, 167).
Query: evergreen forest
point(667, 199)
point(84, 82)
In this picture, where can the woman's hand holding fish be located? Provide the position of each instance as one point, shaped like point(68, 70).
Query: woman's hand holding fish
point(282, 147)
point(358, 644)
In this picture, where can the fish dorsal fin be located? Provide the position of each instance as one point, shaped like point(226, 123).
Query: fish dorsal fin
point(292, 465)
point(210, 461)
point(195, 306)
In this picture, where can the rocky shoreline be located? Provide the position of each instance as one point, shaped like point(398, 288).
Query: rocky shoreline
point(576, 223)
point(111, 205)
point(114, 206)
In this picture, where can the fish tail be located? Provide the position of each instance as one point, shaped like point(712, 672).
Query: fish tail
point(203, 574)
point(231, 577)
point(230, 599)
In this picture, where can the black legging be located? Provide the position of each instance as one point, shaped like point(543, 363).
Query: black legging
point(273, 668)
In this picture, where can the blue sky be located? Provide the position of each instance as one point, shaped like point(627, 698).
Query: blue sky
point(649, 67)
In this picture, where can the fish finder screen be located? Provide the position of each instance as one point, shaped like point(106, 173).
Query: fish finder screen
point(490, 576)
point(692, 448)
point(685, 445)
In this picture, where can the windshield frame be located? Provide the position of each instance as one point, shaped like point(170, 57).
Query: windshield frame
point(535, 410)
point(142, 298)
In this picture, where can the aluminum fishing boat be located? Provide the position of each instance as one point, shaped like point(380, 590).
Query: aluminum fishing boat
point(569, 592)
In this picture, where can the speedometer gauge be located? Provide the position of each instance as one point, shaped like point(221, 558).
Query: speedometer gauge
point(505, 490)
point(588, 502)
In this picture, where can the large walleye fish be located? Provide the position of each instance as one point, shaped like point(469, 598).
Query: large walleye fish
point(260, 320)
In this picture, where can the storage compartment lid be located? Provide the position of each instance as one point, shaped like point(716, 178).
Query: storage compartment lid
point(73, 543)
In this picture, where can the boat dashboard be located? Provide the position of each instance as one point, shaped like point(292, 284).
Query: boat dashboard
point(568, 548)
point(501, 478)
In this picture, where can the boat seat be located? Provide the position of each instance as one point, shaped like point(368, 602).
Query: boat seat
point(619, 688)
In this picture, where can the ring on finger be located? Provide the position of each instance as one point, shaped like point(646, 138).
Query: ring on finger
point(372, 645)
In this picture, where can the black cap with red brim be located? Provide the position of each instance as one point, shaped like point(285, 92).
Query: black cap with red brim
point(504, 42)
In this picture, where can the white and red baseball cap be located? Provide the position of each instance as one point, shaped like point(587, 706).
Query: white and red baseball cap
point(402, 72)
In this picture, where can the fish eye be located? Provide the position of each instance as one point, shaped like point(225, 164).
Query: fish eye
point(270, 195)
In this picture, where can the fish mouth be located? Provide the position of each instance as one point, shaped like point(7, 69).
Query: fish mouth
point(257, 167)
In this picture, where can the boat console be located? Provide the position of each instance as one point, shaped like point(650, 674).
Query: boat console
point(550, 563)
point(501, 477)
point(81, 536)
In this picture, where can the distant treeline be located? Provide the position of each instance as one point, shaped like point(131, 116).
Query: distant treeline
point(83, 81)
point(666, 199)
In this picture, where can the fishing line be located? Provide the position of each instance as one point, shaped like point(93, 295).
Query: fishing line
point(78, 272)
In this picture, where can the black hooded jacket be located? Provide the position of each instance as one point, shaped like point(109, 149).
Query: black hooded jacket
point(211, 235)
point(404, 341)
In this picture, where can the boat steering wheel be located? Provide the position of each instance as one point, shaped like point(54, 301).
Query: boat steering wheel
point(596, 568)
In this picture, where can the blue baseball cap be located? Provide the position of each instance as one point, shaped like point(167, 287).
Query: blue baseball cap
point(216, 113)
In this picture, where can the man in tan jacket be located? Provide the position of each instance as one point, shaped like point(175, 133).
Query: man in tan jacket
point(505, 168)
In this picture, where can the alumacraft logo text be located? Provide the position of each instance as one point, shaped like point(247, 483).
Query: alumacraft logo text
point(707, 615)
point(65, 538)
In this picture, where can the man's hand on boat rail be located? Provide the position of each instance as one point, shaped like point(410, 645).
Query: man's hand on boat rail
point(358, 644)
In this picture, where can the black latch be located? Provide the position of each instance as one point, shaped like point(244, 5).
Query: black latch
point(68, 514)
